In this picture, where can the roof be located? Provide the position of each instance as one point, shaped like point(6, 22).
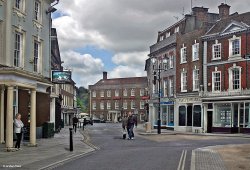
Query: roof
point(122, 81)
point(220, 25)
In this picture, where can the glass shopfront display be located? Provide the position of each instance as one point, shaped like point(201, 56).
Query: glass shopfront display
point(222, 115)
point(167, 115)
point(247, 115)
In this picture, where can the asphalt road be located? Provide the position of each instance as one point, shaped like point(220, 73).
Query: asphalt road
point(142, 153)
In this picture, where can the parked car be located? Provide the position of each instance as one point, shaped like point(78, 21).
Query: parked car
point(87, 121)
point(97, 120)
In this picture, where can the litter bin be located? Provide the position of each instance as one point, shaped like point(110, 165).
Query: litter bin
point(148, 127)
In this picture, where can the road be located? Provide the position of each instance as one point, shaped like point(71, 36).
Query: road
point(154, 152)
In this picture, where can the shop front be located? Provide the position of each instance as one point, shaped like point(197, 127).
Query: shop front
point(229, 116)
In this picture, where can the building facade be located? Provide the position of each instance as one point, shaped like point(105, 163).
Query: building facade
point(110, 99)
point(24, 66)
point(210, 72)
point(163, 50)
point(226, 56)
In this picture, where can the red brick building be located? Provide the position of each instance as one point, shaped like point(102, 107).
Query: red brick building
point(110, 99)
point(226, 59)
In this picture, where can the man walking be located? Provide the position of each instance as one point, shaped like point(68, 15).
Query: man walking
point(75, 121)
point(132, 121)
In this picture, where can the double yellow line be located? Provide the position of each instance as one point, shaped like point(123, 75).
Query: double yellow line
point(182, 161)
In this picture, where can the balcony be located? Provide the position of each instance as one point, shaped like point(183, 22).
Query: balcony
point(164, 43)
point(242, 92)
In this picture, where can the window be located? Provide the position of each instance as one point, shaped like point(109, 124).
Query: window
point(167, 34)
point(102, 93)
point(36, 56)
point(37, 10)
point(142, 104)
point(176, 29)
point(132, 104)
point(132, 92)
point(171, 87)
point(184, 55)
point(184, 81)
point(165, 88)
point(216, 81)
point(116, 93)
point(116, 104)
point(182, 116)
point(102, 105)
point(195, 52)
point(109, 93)
point(236, 79)
point(94, 105)
point(19, 4)
point(161, 37)
point(94, 94)
point(171, 61)
point(108, 105)
point(18, 49)
point(197, 116)
point(125, 105)
point(142, 92)
point(196, 80)
point(235, 47)
point(216, 51)
point(125, 92)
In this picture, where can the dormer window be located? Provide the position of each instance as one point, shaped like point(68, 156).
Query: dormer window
point(176, 29)
point(161, 37)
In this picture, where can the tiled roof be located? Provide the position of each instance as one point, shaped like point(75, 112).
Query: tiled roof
point(118, 81)
point(220, 25)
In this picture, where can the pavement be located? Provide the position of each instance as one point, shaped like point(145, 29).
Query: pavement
point(48, 153)
point(206, 158)
point(52, 152)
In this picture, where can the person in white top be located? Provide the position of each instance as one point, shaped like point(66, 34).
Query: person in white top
point(18, 130)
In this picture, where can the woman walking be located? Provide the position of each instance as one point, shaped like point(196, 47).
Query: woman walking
point(18, 130)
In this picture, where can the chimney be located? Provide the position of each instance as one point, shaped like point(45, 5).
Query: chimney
point(105, 75)
point(224, 10)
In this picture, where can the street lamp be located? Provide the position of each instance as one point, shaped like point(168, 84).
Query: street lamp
point(160, 67)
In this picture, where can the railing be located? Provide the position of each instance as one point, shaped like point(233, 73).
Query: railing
point(225, 93)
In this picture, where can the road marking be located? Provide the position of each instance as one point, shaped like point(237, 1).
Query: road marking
point(182, 161)
point(193, 161)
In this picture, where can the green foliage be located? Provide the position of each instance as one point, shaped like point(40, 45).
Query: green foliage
point(83, 99)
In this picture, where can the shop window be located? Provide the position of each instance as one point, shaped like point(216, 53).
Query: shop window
point(247, 115)
point(171, 115)
point(197, 116)
point(182, 116)
point(222, 115)
point(189, 116)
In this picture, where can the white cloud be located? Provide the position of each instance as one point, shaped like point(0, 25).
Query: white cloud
point(135, 59)
point(85, 68)
point(125, 27)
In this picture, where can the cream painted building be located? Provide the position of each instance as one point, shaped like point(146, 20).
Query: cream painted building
point(24, 65)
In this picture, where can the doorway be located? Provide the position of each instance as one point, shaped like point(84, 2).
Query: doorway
point(209, 121)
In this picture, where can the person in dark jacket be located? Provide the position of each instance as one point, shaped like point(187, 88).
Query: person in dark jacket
point(132, 121)
point(75, 121)
point(124, 125)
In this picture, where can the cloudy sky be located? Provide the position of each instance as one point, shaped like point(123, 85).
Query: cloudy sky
point(115, 35)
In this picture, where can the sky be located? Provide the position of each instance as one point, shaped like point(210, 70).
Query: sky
point(115, 35)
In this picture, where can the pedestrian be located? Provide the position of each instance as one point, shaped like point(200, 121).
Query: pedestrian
point(75, 121)
point(132, 121)
point(124, 125)
point(18, 130)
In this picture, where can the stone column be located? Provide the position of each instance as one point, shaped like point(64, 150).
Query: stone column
point(2, 116)
point(9, 118)
point(33, 118)
point(52, 111)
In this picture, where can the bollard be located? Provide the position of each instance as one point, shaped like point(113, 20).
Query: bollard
point(71, 139)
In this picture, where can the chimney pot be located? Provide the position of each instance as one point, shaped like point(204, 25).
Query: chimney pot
point(224, 10)
point(105, 75)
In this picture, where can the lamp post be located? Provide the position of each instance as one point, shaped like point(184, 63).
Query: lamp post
point(159, 63)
